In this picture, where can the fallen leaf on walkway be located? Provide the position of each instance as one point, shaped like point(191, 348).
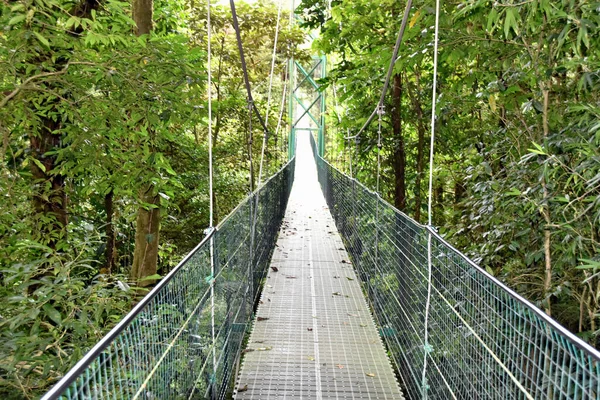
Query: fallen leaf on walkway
point(370, 374)
point(336, 277)
point(352, 315)
point(311, 358)
point(363, 325)
point(340, 366)
point(275, 269)
point(247, 351)
point(350, 279)
point(290, 277)
point(243, 389)
point(336, 293)
point(264, 348)
point(261, 318)
point(309, 329)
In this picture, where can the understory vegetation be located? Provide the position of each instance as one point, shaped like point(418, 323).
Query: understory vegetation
point(517, 153)
point(104, 159)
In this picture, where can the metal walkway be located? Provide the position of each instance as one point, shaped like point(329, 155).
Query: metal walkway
point(314, 336)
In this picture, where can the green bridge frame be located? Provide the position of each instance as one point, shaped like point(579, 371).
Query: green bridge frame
point(300, 106)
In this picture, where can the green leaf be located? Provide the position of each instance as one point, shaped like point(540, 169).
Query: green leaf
point(42, 39)
point(39, 164)
point(52, 313)
point(16, 19)
point(151, 278)
point(538, 149)
point(492, 20)
point(510, 22)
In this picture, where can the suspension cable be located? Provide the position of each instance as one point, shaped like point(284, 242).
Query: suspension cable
point(427, 348)
point(238, 36)
point(209, 95)
point(390, 69)
point(273, 57)
point(210, 187)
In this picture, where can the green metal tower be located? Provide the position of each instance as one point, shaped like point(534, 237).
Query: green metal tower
point(307, 102)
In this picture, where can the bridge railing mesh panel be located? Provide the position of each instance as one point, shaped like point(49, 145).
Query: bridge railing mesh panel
point(165, 348)
point(485, 341)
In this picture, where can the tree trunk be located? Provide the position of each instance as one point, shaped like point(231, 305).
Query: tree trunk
point(421, 129)
point(111, 248)
point(145, 255)
point(399, 153)
point(142, 15)
point(439, 204)
point(49, 197)
point(546, 214)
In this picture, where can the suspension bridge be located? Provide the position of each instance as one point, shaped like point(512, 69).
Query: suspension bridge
point(314, 287)
point(314, 334)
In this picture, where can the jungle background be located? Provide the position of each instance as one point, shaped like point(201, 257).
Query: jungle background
point(104, 157)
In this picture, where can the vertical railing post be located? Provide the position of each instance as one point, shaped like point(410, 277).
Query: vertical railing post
point(251, 253)
point(213, 274)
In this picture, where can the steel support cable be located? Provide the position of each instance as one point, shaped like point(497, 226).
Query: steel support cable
point(211, 195)
point(273, 56)
point(236, 27)
point(389, 71)
point(427, 348)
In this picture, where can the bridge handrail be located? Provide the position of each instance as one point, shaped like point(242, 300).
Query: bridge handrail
point(70, 378)
point(552, 343)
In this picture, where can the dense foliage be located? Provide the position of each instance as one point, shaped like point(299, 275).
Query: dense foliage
point(102, 121)
point(517, 162)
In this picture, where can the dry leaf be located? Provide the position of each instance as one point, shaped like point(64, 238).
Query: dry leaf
point(336, 293)
point(363, 325)
point(311, 358)
point(275, 269)
point(309, 329)
point(370, 374)
point(340, 366)
point(261, 318)
point(245, 388)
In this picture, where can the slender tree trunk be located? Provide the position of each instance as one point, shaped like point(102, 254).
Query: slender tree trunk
point(421, 129)
point(145, 255)
point(111, 248)
point(49, 197)
point(399, 153)
point(546, 215)
point(439, 204)
point(218, 90)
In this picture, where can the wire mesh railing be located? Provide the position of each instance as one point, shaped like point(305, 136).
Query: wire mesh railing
point(183, 340)
point(485, 341)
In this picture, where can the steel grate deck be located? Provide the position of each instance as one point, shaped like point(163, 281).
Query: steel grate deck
point(314, 336)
